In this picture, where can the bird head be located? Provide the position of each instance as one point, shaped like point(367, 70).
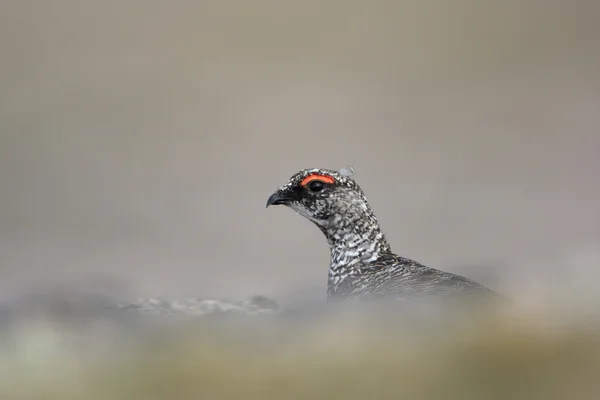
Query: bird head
point(321, 195)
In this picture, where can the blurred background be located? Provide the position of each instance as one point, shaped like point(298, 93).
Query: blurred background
point(139, 141)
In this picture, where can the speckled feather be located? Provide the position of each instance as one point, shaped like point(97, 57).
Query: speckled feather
point(362, 263)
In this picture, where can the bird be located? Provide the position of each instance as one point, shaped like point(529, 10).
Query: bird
point(362, 263)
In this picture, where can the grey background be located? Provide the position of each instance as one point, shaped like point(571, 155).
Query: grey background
point(139, 140)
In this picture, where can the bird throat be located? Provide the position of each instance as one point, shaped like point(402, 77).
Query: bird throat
point(354, 239)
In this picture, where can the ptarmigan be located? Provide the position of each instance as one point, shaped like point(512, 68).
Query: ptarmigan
point(362, 263)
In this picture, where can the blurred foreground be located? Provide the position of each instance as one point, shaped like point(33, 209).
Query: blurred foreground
point(78, 353)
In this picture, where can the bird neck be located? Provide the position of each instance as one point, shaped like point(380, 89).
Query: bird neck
point(354, 238)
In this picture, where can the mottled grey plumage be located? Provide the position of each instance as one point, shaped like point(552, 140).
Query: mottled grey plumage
point(362, 263)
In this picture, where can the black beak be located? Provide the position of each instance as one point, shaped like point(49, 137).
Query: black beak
point(277, 199)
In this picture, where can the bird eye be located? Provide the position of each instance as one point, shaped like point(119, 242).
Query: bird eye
point(315, 186)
